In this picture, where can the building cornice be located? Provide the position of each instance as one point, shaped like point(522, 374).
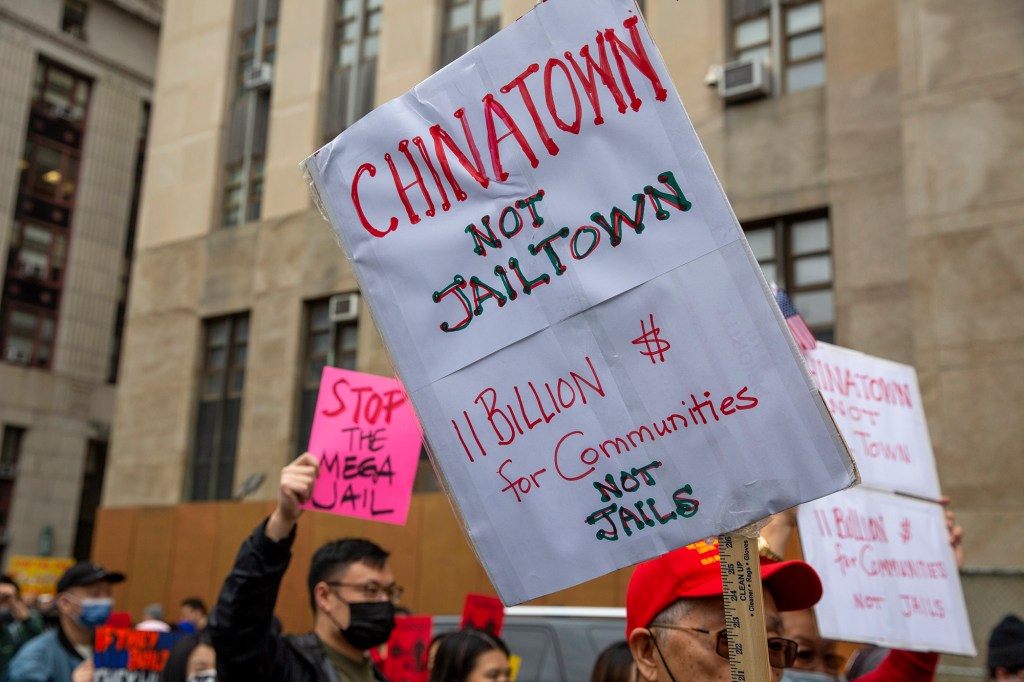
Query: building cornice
point(74, 45)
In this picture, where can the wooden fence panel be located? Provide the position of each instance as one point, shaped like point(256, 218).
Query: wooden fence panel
point(171, 553)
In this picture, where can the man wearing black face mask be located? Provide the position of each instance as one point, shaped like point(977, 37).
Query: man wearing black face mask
point(351, 590)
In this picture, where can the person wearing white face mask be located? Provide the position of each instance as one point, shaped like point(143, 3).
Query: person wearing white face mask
point(192, 659)
point(65, 653)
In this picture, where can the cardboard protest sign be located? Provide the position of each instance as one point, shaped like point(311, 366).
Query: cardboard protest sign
point(483, 613)
point(408, 648)
point(126, 655)
point(367, 439)
point(877, 405)
point(600, 370)
point(37, 575)
point(889, 574)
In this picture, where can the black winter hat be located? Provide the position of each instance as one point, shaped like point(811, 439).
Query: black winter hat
point(1006, 644)
point(87, 573)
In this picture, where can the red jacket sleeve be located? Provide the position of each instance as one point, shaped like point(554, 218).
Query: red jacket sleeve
point(904, 666)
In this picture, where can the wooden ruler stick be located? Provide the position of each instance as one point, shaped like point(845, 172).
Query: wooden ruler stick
point(744, 606)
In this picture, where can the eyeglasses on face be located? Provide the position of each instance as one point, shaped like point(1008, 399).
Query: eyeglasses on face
point(833, 662)
point(373, 591)
point(781, 651)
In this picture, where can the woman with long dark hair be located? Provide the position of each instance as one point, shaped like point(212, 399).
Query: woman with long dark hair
point(471, 655)
point(614, 664)
point(192, 659)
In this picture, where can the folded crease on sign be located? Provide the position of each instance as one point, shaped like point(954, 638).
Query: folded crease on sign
point(770, 493)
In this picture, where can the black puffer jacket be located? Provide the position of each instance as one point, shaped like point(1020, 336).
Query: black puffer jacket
point(249, 646)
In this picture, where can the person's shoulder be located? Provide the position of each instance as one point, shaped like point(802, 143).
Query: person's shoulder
point(40, 643)
point(307, 646)
point(34, 658)
point(299, 657)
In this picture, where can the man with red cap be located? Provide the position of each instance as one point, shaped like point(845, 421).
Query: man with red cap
point(675, 618)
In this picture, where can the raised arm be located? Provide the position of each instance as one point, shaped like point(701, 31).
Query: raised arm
point(241, 624)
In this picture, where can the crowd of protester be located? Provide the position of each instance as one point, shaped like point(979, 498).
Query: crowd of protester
point(675, 622)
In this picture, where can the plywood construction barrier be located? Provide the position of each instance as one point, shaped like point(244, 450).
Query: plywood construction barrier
point(172, 553)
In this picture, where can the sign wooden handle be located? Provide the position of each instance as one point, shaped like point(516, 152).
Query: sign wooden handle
point(744, 606)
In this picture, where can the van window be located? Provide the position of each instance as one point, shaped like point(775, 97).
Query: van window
point(536, 646)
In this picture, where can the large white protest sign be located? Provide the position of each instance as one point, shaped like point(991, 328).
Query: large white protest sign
point(888, 571)
point(599, 368)
point(877, 405)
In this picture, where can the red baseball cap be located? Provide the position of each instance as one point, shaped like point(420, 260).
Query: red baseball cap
point(694, 571)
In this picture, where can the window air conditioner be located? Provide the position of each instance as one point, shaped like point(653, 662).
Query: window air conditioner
point(343, 307)
point(258, 76)
point(16, 355)
point(744, 79)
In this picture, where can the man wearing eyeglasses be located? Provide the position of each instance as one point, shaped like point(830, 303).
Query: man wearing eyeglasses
point(675, 619)
point(352, 592)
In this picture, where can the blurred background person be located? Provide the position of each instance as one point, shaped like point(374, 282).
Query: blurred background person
point(153, 619)
point(1006, 650)
point(18, 623)
point(614, 664)
point(471, 655)
point(432, 649)
point(64, 654)
point(192, 659)
point(192, 615)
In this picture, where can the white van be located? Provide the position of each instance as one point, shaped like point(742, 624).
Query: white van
point(556, 643)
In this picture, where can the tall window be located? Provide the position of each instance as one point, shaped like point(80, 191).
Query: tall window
point(10, 453)
point(129, 246)
point(220, 407)
point(796, 252)
point(466, 24)
point(256, 27)
point(73, 20)
point(89, 500)
point(787, 33)
point(353, 72)
point(37, 253)
point(332, 335)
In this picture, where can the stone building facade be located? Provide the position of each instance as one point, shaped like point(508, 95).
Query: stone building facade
point(77, 79)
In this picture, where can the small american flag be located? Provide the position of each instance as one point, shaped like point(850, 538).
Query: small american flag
point(803, 336)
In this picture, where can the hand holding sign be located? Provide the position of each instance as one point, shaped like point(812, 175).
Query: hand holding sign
point(84, 671)
point(297, 481)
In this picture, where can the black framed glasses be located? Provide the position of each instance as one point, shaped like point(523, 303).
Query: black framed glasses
point(781, 651)
point(373, 591)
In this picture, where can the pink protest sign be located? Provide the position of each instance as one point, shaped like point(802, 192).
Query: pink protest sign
point(367, 439)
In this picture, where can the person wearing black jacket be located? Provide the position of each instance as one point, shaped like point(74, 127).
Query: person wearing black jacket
point(352, 592)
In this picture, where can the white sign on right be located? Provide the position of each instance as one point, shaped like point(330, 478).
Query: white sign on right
point(877, 405)
point(889, 574)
